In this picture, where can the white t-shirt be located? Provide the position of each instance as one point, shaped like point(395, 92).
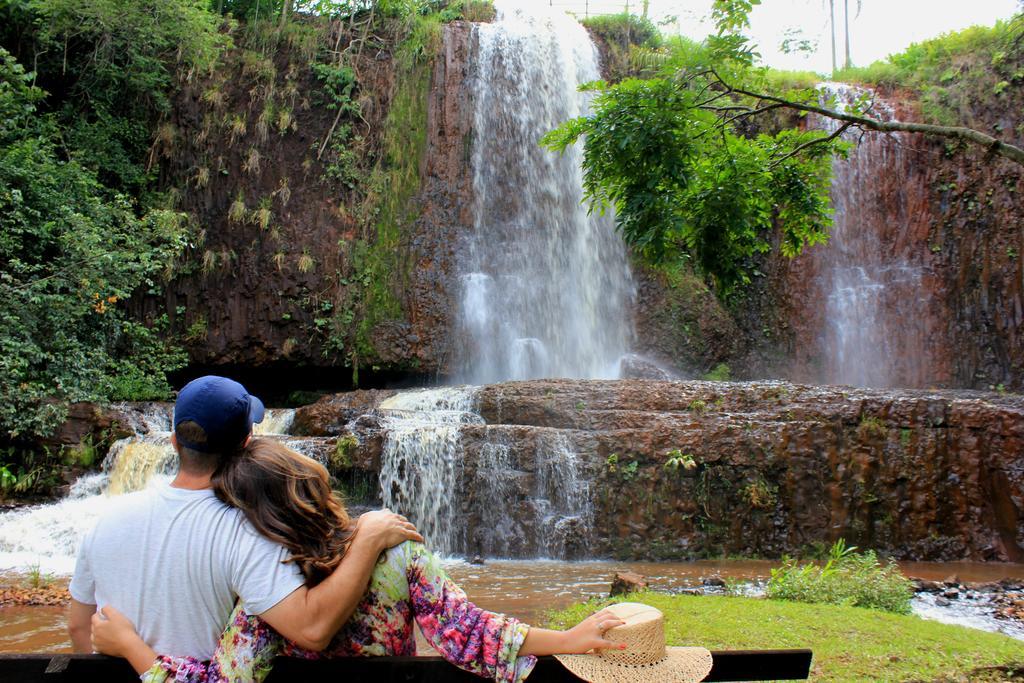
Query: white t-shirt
point(173, 560)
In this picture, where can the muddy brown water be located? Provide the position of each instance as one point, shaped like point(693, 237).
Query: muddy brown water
point(527, 589)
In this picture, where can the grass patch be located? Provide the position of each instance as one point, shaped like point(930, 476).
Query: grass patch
point(849, 643)
point(954, 73)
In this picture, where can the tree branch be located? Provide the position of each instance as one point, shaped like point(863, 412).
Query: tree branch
point(818, 140)
point(1003, 149)
point(752, 112)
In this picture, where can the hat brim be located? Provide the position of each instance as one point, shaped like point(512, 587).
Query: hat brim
point(680, 665)
point(256, 410)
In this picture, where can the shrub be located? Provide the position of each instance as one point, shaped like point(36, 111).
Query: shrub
point(847, 578)
point(720, 373)
point(624, 29)
point(70, 251)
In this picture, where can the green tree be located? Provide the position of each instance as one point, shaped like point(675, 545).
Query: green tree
point(111, 66)
point(699, 166)
point(71, 251)
point(685, 182)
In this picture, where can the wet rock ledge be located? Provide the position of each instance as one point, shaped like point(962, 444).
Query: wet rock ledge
point(676, 470)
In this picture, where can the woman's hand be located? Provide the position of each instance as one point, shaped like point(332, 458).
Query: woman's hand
point(583, 637)
point(589, 634)
point(386, 529)
point(113, 634)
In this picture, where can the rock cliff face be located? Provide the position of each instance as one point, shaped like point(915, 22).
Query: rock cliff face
point(953, 216)
point(688, 469)
point(444, 202)
point(948, 218)
point(278, 293)
point(277, 256)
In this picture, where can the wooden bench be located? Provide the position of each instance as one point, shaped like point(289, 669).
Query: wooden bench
point(729, 665)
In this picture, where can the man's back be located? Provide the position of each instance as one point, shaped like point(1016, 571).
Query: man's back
point(173, 560)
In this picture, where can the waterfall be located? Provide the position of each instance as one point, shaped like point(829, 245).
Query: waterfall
point(421, 458)
point(47, 536)
point(545, 288)
point(555, 519)
point(133, 462)
point(544, 291)
point(274, 422)
point(871, 281)
point(491, 496)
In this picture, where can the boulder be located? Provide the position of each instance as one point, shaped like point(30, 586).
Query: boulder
point(624, 583)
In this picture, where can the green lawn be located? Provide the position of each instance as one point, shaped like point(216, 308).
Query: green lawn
point(849, 643)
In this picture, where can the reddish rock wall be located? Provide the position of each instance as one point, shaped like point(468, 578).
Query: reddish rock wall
point(954, 212)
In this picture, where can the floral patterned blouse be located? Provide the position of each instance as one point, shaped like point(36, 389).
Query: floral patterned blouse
point(408, 585)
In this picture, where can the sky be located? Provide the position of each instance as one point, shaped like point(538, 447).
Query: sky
point(882, 27)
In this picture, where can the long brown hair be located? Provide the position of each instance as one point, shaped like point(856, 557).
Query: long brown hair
point(288, 498)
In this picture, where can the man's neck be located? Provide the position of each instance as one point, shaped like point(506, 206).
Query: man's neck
point(192, 481)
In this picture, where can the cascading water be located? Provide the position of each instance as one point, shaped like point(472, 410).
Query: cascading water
point(557, 516)
point(429, 474)
point(47, 536)
point(545, 292)
point(876, 324)
point(133, 462)
point(275, 422)
point(545, 288)
point(421, 457)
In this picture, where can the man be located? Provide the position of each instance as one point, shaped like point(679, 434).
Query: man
point(173, 558)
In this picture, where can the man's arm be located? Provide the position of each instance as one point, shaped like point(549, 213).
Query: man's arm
point(310, 617)
point(80, 626)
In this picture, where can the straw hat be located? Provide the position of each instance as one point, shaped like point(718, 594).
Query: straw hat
point(645, 658)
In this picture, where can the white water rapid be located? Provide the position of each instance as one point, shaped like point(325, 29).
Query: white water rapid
point(421, 459)
point(47, 536)
point(545, 288)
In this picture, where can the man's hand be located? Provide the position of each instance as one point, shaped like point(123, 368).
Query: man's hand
point(385, 529)
point(112, 632)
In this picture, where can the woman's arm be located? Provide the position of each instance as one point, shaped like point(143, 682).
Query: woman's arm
point(113, 634)
point(487, 643)
point(245, 652)
point(583, 637)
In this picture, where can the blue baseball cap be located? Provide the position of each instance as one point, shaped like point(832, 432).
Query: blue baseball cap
point(222, 407)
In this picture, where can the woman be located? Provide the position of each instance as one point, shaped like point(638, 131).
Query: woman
point(287, 497)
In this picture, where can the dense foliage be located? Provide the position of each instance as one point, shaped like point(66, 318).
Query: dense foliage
point(71, 251)
point(82, 225)
point(846, 578)
point(110, 66)
point(687, 176)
